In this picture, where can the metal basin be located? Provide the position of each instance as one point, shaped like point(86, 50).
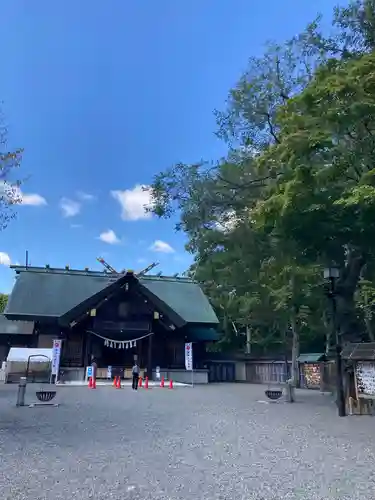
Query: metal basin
point(45, 396)
point(273, 394)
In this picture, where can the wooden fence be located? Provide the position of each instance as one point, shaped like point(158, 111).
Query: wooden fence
point(321, 376)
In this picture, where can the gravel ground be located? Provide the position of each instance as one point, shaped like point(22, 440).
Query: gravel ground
point(213, 442)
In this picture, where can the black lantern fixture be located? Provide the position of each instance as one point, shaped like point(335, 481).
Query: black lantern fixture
point(331, 274)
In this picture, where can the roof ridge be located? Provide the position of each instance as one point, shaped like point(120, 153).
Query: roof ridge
point(100, 274)
point(60, 270)
point(155, 277)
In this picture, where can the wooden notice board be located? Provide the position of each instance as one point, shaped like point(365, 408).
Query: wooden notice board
point(365, 378)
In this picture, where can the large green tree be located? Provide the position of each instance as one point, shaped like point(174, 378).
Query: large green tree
point(3, 301)
point(324, 196)
point(295, 191)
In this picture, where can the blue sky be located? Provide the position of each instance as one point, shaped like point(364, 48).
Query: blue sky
point(101, 96)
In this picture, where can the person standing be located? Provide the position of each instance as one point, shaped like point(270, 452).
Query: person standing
point(94, 366)
point(135, 373)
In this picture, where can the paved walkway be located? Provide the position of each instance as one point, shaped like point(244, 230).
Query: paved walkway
point(212, 442)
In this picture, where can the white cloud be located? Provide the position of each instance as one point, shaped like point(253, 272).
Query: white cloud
point(15, 195)
point(109, 237)
point(4, 259)
point(85, 196)
point(134, 202)
point(35, 200)
point(69, 208)
point(161, 247)
point(75, 226)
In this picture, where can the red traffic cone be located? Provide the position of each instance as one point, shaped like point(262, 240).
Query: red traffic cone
point(115, 382)
point(171, 384)
point(94, 383)
point(162, 382)
point(140, 382)
point(146, 383)
point(118, 386)
point(90, 383)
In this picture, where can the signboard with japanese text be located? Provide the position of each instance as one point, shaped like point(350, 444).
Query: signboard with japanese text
point(56, 353)
point(365, 378)
point(189, 356)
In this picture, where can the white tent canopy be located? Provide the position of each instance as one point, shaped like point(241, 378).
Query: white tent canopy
point(23, 354)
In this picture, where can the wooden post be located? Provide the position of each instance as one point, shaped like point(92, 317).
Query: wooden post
point(140, 354)
point(149, 358)
point(88, 350)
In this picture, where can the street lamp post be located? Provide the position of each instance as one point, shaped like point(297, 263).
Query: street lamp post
point(332, 274)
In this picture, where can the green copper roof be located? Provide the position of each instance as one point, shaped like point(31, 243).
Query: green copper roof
point(311, 357)
point(52, 293)
point(8, 327)
point(201, 333)
point(184, 297)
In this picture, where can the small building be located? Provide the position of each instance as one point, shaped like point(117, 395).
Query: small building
point(32, 363)
point(310, 370)
point(359, 359)
point(114, 318)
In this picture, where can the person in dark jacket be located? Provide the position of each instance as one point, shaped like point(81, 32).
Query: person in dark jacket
point(94, 366)
point(135, 373)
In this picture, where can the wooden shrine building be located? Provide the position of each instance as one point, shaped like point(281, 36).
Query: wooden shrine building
point(114, 318)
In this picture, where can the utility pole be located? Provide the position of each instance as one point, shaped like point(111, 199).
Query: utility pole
point(288, 380)
point(332, 273)
point(248, 340)
point(339, 381)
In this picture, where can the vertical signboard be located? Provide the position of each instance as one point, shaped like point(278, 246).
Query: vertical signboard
point(189, 356)
point(56, 353)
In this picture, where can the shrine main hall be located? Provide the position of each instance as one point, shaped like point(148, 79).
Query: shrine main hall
point(115, 318)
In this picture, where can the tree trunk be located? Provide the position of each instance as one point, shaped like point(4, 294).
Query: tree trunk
point(248, 340)
point(328, 331)
point(346, 285)
point(370, 330)
point(295, 350)
point(367, 311)
point(295, 332)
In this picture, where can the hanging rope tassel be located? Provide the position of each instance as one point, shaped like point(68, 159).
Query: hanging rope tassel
point(119, 344)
